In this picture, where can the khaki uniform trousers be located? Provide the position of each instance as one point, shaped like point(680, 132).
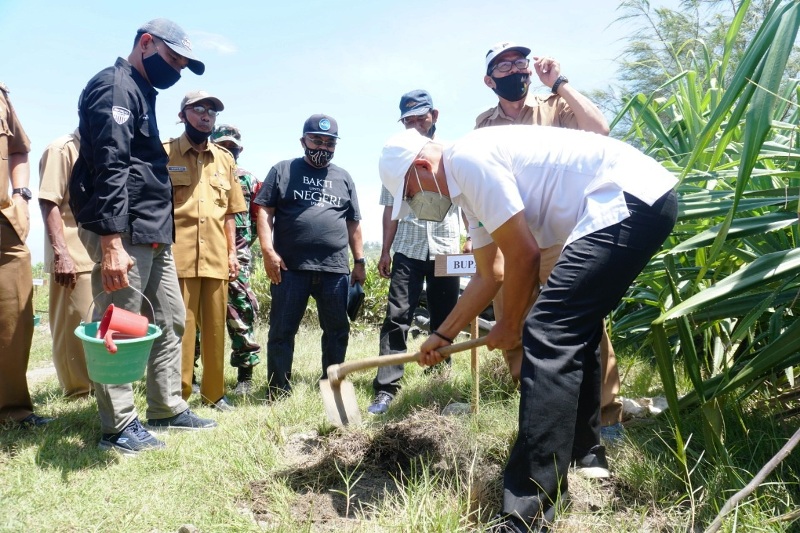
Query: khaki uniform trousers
point(610, 407)
point(68, 307)
point(206, 301)
point(16, 324)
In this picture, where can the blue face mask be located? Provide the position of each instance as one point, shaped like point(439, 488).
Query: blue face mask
point(159, 72)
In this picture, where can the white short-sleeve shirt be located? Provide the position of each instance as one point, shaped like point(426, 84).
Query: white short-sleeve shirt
point(570, 183)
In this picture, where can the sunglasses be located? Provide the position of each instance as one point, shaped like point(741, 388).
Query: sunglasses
point(321, 142)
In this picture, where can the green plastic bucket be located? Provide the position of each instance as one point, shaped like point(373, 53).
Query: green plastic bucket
point(125, 366)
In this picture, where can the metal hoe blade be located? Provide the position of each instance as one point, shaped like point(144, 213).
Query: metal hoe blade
point(340, 402)
point(339, 396)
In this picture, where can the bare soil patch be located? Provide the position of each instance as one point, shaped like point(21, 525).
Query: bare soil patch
point(320, 467)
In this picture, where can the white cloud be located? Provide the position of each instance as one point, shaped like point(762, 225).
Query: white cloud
point(202, 40)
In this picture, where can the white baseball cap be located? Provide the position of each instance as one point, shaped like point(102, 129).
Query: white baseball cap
point(397, 155)
point(502, 47)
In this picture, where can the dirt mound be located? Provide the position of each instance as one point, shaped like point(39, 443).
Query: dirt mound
point(338, 478)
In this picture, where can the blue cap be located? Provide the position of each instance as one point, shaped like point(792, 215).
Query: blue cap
point(321, 125)
point(415, 103)
point(176, 39)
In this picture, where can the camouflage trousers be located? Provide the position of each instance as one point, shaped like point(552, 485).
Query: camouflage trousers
point(242, 312)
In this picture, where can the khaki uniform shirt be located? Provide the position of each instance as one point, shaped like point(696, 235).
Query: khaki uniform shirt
point(55, 168)
point(539, 110)
point(205, 189)
point(13, 140)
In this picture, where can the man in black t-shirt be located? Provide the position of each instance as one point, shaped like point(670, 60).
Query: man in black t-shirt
point(308, 215)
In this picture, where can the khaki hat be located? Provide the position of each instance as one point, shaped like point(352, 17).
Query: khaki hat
point(192, 97)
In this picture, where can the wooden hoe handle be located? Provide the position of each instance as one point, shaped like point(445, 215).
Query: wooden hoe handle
point(336, 373)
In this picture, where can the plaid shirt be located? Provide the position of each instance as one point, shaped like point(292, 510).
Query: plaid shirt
point(423, 240)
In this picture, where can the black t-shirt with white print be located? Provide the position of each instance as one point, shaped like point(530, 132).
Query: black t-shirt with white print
point(312, 207)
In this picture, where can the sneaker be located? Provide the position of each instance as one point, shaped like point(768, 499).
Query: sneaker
point(593, 464)
point(380, 404)
point(243, 388)
point(613, 434)
point(130, 441)
point(34, 421)
point(186, 420)
point(222, 405)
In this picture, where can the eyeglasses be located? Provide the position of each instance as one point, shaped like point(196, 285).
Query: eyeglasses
point(200, 109)
point(320, 142)
point(505, 66)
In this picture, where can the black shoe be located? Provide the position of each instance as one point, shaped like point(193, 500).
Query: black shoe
point(509, 524)
point(593, 464)
point(380, 405)
point(186, 420)
point(222, 405)
point(34, 421)
point(132, 440)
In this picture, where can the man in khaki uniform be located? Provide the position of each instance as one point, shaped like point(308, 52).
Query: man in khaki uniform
point(206, 194)
point(68, 263)
point(16, 279)
point(508, 74)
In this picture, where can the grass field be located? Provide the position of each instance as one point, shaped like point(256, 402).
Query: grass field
point(282, 467)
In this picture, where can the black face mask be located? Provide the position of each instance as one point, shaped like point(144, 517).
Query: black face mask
point(431, 131)
point(513, 87)
point(159, 72)
point(319, 158)
point(235, 152)
point(196, 136)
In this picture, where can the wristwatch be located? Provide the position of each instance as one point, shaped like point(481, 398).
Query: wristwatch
point(362, 261)
point(557, 84)
point(24, 192)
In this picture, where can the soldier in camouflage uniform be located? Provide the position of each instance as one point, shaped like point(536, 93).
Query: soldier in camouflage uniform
point(242, 303)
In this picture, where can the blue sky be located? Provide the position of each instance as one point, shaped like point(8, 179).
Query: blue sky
point(273, 65)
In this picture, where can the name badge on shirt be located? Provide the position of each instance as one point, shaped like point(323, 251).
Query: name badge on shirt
point(176, 169)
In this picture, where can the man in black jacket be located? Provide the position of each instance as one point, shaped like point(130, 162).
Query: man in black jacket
point(122, 197)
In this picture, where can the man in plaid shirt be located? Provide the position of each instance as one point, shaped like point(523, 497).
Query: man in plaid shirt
point(415, 243)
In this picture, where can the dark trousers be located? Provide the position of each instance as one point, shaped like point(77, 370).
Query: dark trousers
point(559, 412)
point(289, 301)
point(408, 277)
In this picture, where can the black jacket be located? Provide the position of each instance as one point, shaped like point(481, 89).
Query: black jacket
point(120, 182)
